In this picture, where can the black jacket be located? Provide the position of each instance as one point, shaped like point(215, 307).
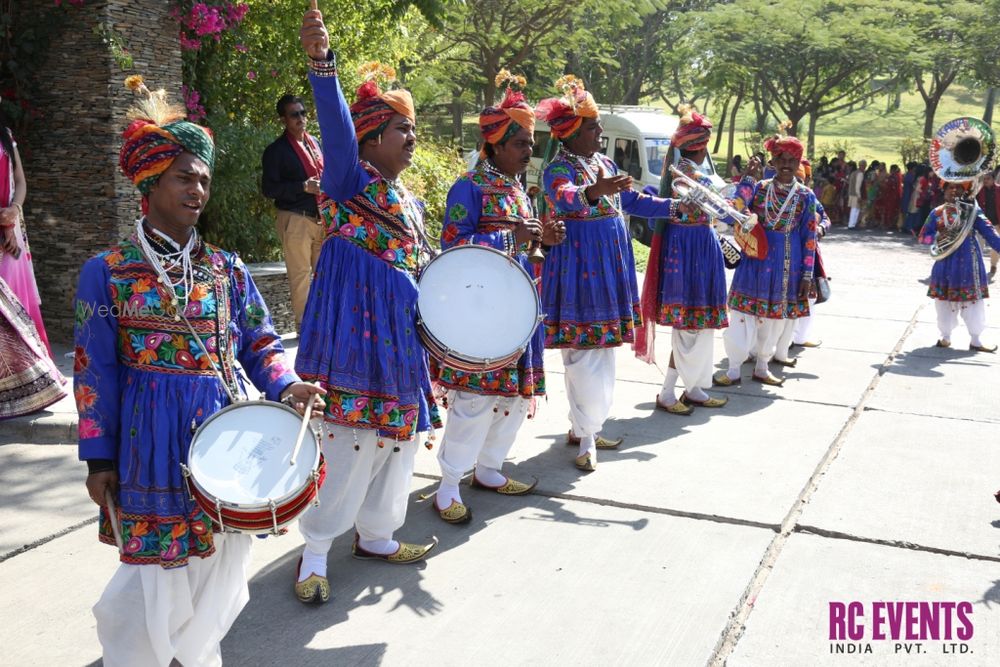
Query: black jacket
point(284, 177)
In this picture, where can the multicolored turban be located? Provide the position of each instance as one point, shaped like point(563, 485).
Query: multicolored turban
point(790, 146)
point(497, 124)
point(565, 114)
point(373, 109)
point(693, 132)
point(157, 134)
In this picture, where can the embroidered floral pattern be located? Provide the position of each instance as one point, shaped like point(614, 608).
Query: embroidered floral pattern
point(680, 316)
point(969, 293)
point(509, 381)
point(768, 309)
point(158, 540)
point(576, 335)
point(375, 412)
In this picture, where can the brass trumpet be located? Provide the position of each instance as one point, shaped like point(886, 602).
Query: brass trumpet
point(690, 191)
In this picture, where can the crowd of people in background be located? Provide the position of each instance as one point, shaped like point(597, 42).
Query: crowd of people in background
point(859, 195)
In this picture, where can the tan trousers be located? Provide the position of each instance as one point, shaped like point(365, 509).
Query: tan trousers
point(301, 240)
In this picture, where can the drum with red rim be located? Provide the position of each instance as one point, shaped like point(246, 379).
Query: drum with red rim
point(238, 467)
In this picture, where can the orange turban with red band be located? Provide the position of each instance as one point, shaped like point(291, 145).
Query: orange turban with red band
point(565, 114)
point(693, 132)
point(373, 109)
point(788, 145)
point(497, 124)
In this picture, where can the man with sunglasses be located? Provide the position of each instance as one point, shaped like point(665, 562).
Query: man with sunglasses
point(293, 165)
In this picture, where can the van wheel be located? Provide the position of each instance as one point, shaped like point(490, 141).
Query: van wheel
point(639, 228)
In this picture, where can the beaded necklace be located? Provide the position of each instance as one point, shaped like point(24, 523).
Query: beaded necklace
point(592, 167)
point(780, 213)
point(166, 262)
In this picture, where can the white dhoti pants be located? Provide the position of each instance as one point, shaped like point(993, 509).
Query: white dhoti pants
point(590, 388)
point(480, 431)
point(367, 488)
point(760, 336)
point(151, 616)
point(692, 351)
point(973, 314)
point(805, 327)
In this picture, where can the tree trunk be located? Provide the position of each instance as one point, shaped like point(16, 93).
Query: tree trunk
point(732, 125)
point(811, 142)
point(722, 125)
point(930, 108)
point(456, 116)
point(991, 95)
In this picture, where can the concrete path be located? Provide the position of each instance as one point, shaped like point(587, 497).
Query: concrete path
point(721, 538)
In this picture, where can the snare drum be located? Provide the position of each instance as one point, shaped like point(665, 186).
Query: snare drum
point(238, 467)
point(477, 308)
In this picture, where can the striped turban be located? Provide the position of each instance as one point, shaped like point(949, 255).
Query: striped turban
point(373, 110)
point(564, 115)
point(788, 145)
point(497, 124)
point(693, 132)
point(150, 149)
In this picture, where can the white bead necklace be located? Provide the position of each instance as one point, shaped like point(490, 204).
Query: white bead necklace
point(163, 263)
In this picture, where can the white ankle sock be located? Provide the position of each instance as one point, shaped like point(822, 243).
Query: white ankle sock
point(668, 394)
point(733, 373)
point(312, 563)
point(588, 444)
point(697, 394)
point(445, 494)
point(760, 367)
point(490, 477)
point(381, 547)
point(975, 341)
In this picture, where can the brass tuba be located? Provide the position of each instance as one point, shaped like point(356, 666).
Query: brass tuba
point(961, 151)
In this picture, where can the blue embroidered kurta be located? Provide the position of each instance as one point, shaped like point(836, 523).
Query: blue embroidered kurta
point(482, 208)
point(769, 287)
point(359, 330)
point(961, 276)
point(691, 294)
point(142, 381)
point(589, 290)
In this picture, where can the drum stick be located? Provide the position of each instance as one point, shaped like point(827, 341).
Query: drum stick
point(113, 516)
point(314, 5)
point(302, 429)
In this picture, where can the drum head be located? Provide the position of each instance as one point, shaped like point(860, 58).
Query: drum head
point(241, 454)
point(474, 300)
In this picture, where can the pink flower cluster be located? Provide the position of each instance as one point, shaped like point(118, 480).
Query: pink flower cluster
point(208, 20)
point(192, 101)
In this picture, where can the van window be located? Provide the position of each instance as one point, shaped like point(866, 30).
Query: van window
point(541, 141)
point(656, 153)
point(627, 157)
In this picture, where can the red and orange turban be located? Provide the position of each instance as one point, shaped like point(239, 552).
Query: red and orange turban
point(790, 146)
point(157, 134)
point(565, 114)
point(373, 108)
point(693, 132)
point(497, 124)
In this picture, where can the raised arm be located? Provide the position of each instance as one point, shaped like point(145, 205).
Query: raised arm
point(987, 231)
point(343, 176)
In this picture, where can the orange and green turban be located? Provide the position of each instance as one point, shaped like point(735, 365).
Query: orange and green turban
point(150, 149)
point(565, 114)
point(499, 123)
point(693, 131)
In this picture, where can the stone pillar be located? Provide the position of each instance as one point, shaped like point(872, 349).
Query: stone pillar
point(78, 201)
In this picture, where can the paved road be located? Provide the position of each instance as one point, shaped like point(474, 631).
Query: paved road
point(720, 538)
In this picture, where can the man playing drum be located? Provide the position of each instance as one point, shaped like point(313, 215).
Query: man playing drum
point(161, 320)
point(359, 332)
point(488, 206)
point(589, 291)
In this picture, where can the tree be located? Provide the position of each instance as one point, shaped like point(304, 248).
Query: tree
point(810, 59)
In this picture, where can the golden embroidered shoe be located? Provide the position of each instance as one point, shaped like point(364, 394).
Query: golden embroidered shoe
point(675, 408)
point(455, 513)
point(314, 589)
point(808, 343)
point(769, 379)
point(943, 343)
point(983, 348)
point(600, 441)
point(406, 553)
point(723, 380)
point(787, 363)
point(585, 463)
point(511, 487)
point(709, 402)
